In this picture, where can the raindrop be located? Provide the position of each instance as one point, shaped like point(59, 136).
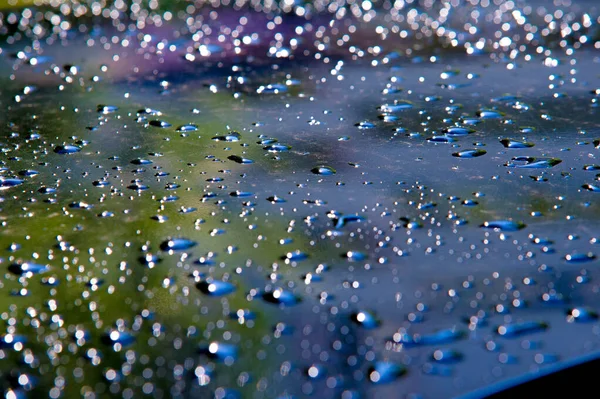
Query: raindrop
point(6, 183)
point(66, 149)
point(384, 372)
point(240, 160)
point(581, 315)
point(323, 170)
point(511, 143)
point(580, 257)
point(503, 225)
point(187, 128)
point(447, 356)
point(532, 162)
point(159, 123)
point(27, 268)
point(365, 319)
point(177, 244)
point(280, 296)
point(215, 287)
point(472, 153)
point(514, 330)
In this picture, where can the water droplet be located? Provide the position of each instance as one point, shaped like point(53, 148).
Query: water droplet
point(397, 106)
point(532, 162)
point(240, 160)
point(323, 170)
point(187, 128)
point(385, 372)
point(441, 139)
point(581, 315)
point(504, 225)
point(472, 153)
point(295, 256)
point(341, 221)
point(580, 257)
point(241, 194)
point(220, 351)
point(159, 123)
point(365, 125)
point(66, 149)
point(106, 109)
point(489, 114)
point(215, 287)
point(457, 131)
point(354, 256)
point(118, 337)
point(591, 187)
point(447, 356)
point(518, 329)
point(280, 296)
point(274, 199)
point(437, 338)
point(277, 147)
point(27, 268)
point(6, 183)
point(177, 244)
point(511, 143)
point(365, 319)
point(229, 137)
point(141, 161)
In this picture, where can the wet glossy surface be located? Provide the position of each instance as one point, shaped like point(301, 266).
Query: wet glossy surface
point(376, 202)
